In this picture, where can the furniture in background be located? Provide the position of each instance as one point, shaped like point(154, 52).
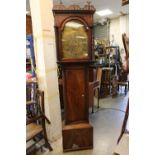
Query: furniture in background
point(106, 81)
point(123, 81)
point(94, 89)
point(113, 56)
point(31, 88)
point(109, 58)
point(30, 56)
point(123, 76)
point(126, 118)
point(114, 84)
point(111, 62)
point(35, 118)
point(125, 40)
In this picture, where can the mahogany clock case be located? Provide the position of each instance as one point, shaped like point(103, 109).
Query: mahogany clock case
point(74, 44)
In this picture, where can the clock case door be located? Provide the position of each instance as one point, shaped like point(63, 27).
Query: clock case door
point(75, 94)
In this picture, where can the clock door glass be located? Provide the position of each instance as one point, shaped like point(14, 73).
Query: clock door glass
point(74, 41)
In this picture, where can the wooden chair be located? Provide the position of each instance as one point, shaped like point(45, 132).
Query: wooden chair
point(123, 76)
point(35, 123)
point(123, 81)
point(31, 95)
point(114, 86)
point(125, 40)
point(94, 88)
point(125, 73)
point(106, 81)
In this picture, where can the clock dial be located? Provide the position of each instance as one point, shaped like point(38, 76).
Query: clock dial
point(74, 41)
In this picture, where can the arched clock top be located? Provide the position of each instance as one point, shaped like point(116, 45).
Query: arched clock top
point(74, 29)
point(75, 19)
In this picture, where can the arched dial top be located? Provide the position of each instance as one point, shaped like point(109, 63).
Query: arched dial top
point(74, 40)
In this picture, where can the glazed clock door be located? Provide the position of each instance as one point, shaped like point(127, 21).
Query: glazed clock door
point(74, 41)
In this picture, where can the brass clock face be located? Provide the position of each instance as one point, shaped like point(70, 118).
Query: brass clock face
point(74, 41)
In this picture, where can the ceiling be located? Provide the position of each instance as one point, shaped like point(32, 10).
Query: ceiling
point(113, 5)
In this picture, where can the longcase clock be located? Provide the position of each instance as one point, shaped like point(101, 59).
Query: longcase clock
point(74, 42)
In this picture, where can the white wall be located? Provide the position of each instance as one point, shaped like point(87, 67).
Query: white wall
point(118, 26)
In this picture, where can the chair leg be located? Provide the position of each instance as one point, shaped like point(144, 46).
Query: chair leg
point(46, 140)
point(125, 89)
point(47, 144)
point(92, 108)
point(98, 96)
point(118, 87)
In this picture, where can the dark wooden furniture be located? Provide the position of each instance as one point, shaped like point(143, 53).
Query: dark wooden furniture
point(114, 84)
point(74, 42)
point(123, 76)
point(116, 153)
point(28, 25)
point(125, 40)
point(94, 88)
point(35, 123)
point(125, 2)
point(123, 81)
point(106, 81)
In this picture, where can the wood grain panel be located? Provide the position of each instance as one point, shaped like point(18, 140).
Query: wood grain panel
point(125, 2)
point(77, 137)
point(28, 25)
point(75, 90)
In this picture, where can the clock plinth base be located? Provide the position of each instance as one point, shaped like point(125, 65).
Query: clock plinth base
point(77, 137)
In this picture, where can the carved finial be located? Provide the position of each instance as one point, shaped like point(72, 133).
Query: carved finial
point(88, 6)
point(61, 2)
point(61, 6)
point(89, 2)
